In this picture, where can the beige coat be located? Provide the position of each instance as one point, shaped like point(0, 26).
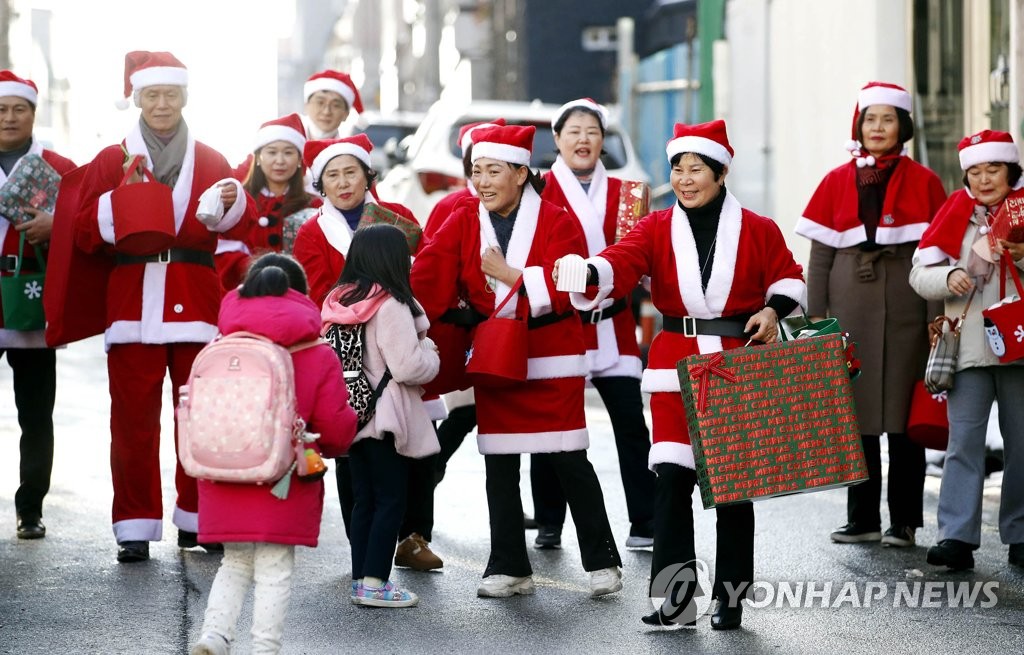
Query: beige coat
point(930, 282)
point(398, 341)
point(886, 319)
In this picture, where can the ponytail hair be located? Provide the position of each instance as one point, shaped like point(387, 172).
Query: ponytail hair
point(273, 274)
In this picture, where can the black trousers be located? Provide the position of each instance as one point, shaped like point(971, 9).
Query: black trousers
point(450, 434)
point(906, 484)
point(35, 387)
point(625, 405)
point(419, 504)
point(586, 502)
point(379, 482)
point(674, 534)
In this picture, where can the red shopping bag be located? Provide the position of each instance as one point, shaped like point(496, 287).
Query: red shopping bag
point(928, 424)
point(453, 342)
point(499, 353)
point(143, 214)
point(1004, 321)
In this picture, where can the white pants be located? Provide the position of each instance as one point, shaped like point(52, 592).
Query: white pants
point(270, 566)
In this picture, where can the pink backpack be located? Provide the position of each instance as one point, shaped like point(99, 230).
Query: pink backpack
point(236, 416)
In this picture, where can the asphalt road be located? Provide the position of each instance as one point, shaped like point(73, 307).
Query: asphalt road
point(67, 594)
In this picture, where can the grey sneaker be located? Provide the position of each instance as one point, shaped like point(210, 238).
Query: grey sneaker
point(211, 644)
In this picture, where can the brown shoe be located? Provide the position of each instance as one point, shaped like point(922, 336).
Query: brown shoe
point(414, 553)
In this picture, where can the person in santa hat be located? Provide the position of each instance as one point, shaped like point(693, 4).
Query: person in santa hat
point(161, 308)
point(277, 183)
point(342, 174)
point(579, 183)
point(33, 364)
point(329, 96)
point(508, 239)
point(864, 222)
point(722, 276)
point(960, 262)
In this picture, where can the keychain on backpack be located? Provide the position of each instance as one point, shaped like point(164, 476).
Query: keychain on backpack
point(308, 464)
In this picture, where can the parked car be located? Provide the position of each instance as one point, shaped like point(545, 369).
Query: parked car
point(385, 133)
point(428, 164)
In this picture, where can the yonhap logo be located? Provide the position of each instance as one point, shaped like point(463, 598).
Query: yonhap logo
point(682, 592)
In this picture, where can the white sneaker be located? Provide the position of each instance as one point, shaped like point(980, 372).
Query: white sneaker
point(503, 586)
point(210, 644)
point(605, 581)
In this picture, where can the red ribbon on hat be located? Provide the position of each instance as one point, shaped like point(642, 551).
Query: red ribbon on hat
point(701, 373)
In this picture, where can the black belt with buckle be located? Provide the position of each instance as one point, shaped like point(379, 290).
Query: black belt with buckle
point(597, 315)
point(727, 326)
point(534, 322)
point(8, 263)
point(463, 316)
point(172, 256)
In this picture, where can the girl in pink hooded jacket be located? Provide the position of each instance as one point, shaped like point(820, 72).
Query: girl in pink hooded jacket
point(374, 290)
point(259, 530)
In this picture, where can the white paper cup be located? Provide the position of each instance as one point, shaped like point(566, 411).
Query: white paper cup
point(210, 208)
point(572, 274)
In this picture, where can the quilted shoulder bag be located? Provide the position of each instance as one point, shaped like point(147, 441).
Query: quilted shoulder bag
point(944, 336)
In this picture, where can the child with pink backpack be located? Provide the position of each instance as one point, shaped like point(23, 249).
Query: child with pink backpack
point(259, 528)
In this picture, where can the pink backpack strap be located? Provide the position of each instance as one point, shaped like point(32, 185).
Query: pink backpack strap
point(307, 344)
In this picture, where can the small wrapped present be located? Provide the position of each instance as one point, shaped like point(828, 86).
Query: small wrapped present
point(634, 203)
point(374, 213)
point(291, 224)
point(33, 183)
point(1013, 210)
point(772, 420)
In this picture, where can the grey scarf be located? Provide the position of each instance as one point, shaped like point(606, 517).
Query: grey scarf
point(167, 157)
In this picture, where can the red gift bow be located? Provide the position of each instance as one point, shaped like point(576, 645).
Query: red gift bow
point(702, 372)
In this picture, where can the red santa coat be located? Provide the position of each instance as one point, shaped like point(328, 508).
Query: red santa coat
point(751, 264)
point(267, 235)
point(544, 413)
point(156, 302)
point(912, 196)
point(612, 349)
point(443, 209)
point(9, 238)
point(322, 242)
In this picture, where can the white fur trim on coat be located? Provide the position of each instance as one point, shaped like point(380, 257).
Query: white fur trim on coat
point(562, 441)
point(671, 452)
point(436, 409)
point(105, 217)
point(805, 227)
point(556, 366)
point(536, 290)
point(707, 304)
point(789, 287)
point(890, 236)
point(234, 215)
point(185, 520)
point(660, 379)
point(231, 245)
point(519, 244)
point(335, 228)
point(626, 366)
point(932, 255)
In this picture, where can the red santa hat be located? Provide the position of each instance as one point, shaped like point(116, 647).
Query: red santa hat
point(12, 85)
point(582, 103)
point(340, 83)
point(287, 128)
point(317, 153)
point(143, 68)
point(511, 143)
point(987, 146)
point(708, 139)
point(874, 93)
point(467, 130)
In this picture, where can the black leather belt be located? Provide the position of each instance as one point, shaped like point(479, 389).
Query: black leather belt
point(8, 263)
point(534, 322)
point(596, 316)
point(172, 256)
point(729, 326)
point(463, 316)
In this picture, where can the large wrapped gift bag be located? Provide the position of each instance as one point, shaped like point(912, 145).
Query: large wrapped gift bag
point(634, 204)
point(772, 420)
point(374, 213)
